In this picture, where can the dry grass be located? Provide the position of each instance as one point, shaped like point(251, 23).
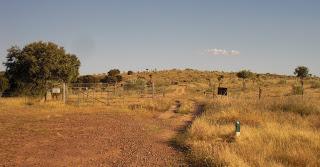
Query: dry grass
point(160, 105)
point(273, 133)
point(278, 130)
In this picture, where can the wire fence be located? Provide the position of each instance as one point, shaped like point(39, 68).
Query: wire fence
point(101, 93)
point(109, 94)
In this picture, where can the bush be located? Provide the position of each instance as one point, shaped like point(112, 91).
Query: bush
point(244, 74)
point(114, 72)
point(130, 73)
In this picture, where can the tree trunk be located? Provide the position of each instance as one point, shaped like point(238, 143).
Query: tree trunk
point(244, 84)
point(302, 86)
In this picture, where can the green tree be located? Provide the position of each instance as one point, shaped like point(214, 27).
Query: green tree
point(220, 79)
point(114, 72)
point(87, 80)
point(33, 69)
point(301, 72)
point(113, 77)
point(244, 74)
point(4, 84)
point(130, 73)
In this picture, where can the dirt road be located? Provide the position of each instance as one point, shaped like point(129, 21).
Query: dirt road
point(92, 138)
point(86, 139)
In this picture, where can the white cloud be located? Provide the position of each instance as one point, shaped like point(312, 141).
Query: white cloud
point(222, 52)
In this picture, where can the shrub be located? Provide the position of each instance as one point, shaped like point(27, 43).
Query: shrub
point(130, 73)
point(244, 74)
point(114, 72)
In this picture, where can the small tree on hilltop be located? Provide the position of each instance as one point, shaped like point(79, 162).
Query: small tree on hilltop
point(87, 80)
point(244, 74)
point(113, 77)
point(130, 73)
point(301, 72)
point(114, 72)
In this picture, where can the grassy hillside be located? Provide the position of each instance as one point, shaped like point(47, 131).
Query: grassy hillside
point(280, 129)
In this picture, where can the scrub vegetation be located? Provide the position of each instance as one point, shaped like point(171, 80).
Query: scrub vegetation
point(186, 123)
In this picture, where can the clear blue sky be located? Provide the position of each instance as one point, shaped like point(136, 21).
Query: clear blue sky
point(261, 35)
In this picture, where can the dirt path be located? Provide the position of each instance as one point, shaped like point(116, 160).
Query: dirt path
point(179, 91)
point(93, 138)
point(179, 122)
point(87, 139)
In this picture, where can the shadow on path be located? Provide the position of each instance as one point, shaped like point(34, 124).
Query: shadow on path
point(199, 109)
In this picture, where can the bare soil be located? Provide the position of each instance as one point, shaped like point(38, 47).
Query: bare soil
point(92, 138)
point(87, 139)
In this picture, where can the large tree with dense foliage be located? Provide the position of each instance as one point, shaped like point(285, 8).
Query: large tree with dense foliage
point(33, 69)
point(4, 84)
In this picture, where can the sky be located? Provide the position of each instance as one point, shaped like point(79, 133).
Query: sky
point(273, 36)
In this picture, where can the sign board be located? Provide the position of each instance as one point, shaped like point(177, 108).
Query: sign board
point(222, 91)
point(56, 90)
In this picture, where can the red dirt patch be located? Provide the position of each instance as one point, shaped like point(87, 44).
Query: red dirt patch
point(83, 139)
